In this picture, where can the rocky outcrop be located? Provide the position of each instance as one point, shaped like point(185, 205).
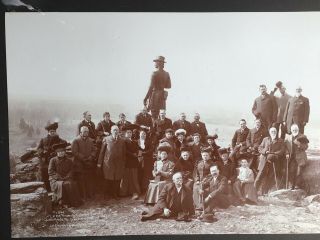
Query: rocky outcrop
point(294, 195)
point(26, 172)
point(30, 203)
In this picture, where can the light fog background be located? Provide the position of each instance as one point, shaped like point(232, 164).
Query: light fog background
point(62, 64)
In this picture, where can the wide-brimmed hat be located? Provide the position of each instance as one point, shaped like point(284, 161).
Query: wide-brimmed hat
point(160, 59)
point(206, 149)
point(51, 126)
point(180, 131)
point(213, 137)
point(59, 146)
point(223, 151)
point(164, 148)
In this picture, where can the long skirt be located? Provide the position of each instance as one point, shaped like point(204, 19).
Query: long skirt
point(129, 183)
point(66, 191)
point(245, 191)
point(153, 192)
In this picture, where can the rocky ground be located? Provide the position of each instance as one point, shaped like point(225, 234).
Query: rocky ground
point(100, 218)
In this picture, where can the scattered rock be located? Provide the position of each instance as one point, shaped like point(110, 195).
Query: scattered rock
point(314, 207)
point(83, 231)
point(313, 198)
point(29, 208)
point(27, 172)
point(27, 187)
point(283, 194)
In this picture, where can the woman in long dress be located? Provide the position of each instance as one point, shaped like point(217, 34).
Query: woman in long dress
point(162, 173)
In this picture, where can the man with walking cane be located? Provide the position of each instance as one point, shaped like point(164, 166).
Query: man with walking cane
point(270, 161)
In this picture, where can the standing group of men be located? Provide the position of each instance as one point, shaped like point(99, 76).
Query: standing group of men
point(119, 159)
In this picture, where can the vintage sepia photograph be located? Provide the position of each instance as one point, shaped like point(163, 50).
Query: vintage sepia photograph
point(127, 123)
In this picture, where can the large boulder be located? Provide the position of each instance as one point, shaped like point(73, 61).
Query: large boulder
point(27, 172)
point(313, 198)
point(31, 207)
point(286, 194)
point(311, 175)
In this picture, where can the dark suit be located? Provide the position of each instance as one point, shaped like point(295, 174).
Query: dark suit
point(121, 125)
point(196, 150)
point(90, 125)
point(199, 127)
point(178, 145)
point(297, 111)
point(156, 95)
point(143, 119)
point(266, 108)
point(186, 125)
point(161, 126)
point(276, 150)
point(254, 139)
point(104, 126)
point(218, 190)
point(177, 203)
point(239, 137)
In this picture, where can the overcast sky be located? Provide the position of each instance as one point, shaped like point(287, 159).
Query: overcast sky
point(214, 59)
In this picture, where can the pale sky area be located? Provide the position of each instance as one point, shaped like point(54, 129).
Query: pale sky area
point(215, 60)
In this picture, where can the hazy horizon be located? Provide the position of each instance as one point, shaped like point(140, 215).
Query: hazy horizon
point(216, 60)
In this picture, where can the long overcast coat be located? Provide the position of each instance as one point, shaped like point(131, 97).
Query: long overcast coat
point(266, 108)
point(113, 158)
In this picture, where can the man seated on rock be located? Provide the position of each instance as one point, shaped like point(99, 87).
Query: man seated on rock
point(175, 201)
point(201, 176)
point(238, 143)
point(65, 191)
point(271, 157)
point(244, 185)
point(227, 169)
point(215, 191)
point(296, 157)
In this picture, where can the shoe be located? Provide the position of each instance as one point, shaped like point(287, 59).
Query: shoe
point(135, 196)
point(143, 219)
point(144, 213)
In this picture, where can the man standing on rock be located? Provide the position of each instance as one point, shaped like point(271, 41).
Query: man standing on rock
point(89, 124)
point(271, 159)
point(45, 152)
point(84, 152)
point(265, 107)
point(296, 157)
point(60, 171)
point(156, 96)
point(112, 160)
point(297, 111)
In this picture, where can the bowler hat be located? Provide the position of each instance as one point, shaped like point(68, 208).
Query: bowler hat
point(160, 59)
point(51, 126)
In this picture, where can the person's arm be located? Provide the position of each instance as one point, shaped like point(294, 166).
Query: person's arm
point(254, 109)
point(149, 90)
point(169, 172)
point(306, 111)
point(274, 109)
point(262, 148)
point(286, 111)
point(205, 131)
point(223, 187)
point(234, 140)
point(163, 197)
point(52, 172)
point(75, 150)
point(102, 153)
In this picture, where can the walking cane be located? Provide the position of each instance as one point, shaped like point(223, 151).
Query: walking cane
point(287, 174)
point(275, 175)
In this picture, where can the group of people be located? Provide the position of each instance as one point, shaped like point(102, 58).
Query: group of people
point(177, 166)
